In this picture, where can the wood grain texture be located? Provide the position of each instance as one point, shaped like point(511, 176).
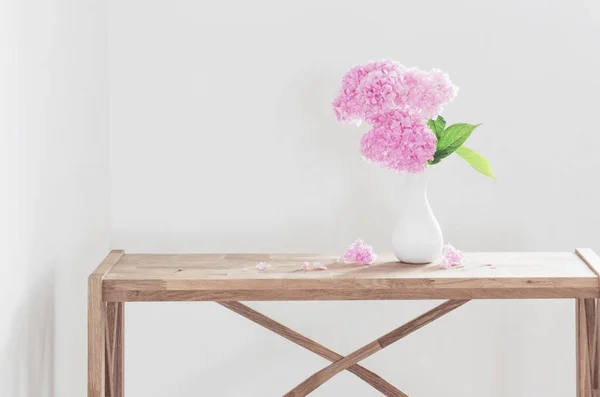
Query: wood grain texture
point(590, 318)
point(596, 354)
point(371, 378)
point(584, 388)
point(579, 381)
point(108, 263)
point(343, 295)
point(120, 352)
point(329, 372)
point(233, 277)
point(96, 324)
point(592, 326)
point(322, 376)
point(114, 349)
point(109, 338)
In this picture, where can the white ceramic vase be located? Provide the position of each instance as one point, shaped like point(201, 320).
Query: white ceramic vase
point(418, 236)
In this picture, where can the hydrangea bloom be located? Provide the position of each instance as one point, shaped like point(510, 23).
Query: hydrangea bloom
point(377, 92)
point(353, 105)
point(425, 93)
point(399, 142)
point(345, 105)
point(359, 252)
point(378, 87)
point(451, 257)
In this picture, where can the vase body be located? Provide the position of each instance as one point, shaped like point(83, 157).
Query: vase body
point(418, 237)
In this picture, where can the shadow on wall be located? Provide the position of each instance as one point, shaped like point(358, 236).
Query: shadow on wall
point(28, 361)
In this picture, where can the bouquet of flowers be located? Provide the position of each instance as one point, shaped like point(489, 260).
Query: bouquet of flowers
point(403, 105)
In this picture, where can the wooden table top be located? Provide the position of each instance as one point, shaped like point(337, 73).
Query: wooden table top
point(234, 277)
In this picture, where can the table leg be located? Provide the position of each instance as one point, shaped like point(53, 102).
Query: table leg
point(96, 348)
point(584, 367)
point(114, 349)
point(591, 321)
point(596, 353)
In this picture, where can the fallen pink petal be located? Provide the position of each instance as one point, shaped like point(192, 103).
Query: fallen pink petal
point(263, 266)
point(319, 266)
point(451, 257)
point(359, 252)
point(305, 266)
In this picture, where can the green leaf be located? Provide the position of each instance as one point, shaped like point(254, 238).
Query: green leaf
point(437, 126)
point(476, 160)
point(452, 138)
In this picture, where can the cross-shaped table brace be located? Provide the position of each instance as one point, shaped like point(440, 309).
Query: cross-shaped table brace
point(340, 363)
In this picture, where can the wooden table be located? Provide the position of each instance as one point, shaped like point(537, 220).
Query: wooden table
point(230, 278)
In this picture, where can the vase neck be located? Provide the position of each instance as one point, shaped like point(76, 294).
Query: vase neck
point(417, 183)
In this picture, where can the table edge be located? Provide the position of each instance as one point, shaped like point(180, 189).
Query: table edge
point(590, 258)
point(155, 291)
point(107, 264)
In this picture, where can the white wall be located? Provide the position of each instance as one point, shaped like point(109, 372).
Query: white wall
point(222, 139)
point(55, 190)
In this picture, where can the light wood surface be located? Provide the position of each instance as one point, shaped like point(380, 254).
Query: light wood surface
point(596, 354)
point(234, 277)
point(322, 376)
point(371, 378)
point(96, 326)
point(114, 379)
point(590, 321)
point(583, 373)
point(228, 278)
point(587, 348)
point(591, 259)
point(591, 307)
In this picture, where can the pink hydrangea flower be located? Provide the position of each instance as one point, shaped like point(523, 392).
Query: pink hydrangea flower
point(451, 257)
point(424, 92)
point(359, 252)
point(377, 92)
point(399, 142)
point(354, 104)
point(377, 87)
point(345, 105)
